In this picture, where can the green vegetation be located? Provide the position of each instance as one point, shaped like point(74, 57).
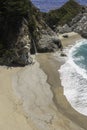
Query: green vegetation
point(62, 15)
point(19, 7)
point(12, 15)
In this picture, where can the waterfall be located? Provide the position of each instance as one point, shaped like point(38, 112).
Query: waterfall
point(35, 49)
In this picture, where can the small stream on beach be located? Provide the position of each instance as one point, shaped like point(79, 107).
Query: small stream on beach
point(73, 75)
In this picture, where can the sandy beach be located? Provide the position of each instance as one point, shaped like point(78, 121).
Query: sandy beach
point(32, 98)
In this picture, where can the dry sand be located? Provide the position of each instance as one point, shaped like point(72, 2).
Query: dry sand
point(11, 113)
point(33, 100)
point(72, 38)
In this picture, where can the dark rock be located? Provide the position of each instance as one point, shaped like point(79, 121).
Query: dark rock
point(48, 41)
point(63, 54)
point(65, 36)
point(84, 34)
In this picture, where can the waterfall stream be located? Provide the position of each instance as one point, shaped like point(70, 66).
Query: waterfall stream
point(35, 49)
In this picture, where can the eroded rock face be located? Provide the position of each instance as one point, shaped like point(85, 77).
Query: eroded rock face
point(24, 33)
point(19, 44)
point(23, 46)
point(64, 29)
point(80, 26)
point(48, 41)
point(15, 39)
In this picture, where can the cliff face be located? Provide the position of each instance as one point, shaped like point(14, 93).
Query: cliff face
point(70, 17)
point(23, 31)
point(79, 23)
point(14, 32)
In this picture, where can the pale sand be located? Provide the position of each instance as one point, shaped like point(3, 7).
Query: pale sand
point(28, 102)
point(72, 38)
point(11, 113)
point(51, 66)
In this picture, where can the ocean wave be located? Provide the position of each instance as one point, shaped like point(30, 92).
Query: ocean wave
point(80, 69)
point(74, 80)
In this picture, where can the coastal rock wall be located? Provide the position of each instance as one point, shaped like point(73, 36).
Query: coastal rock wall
point(23, 31)
point(14, 33)
point(22, 46)
point(48, 41)
point(17, 46)
point(78, 24)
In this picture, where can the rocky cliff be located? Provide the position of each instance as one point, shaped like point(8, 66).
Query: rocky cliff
point(77, 24)
point(71, 17)
point(63, 15)
point(22, 32)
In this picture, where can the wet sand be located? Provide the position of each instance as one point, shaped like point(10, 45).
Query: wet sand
point(50, 66)
point(31, 98)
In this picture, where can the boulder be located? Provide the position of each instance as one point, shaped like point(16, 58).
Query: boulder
point(48, 41)
point(63, 54)
point(63, 29)
point(65, 36)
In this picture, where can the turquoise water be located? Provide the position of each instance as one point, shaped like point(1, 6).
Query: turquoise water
point(46, 5)
point(74, 77)
point(80, 56)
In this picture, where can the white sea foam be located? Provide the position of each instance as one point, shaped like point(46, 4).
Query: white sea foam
point(74, 81)
point(78, 69)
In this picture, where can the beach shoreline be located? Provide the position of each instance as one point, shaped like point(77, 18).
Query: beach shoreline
point(59, 98)
point(32, 97)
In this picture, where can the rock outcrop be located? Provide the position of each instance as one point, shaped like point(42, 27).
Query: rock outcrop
point(63, 29)
point(48, 41)
point(62, 15)
point(22, 46)
point(23, 31)
point(79, 23)
point(17, 46)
